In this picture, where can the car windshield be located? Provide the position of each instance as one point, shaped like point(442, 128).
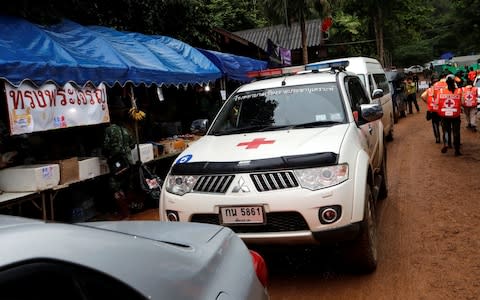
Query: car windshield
point(302, 106)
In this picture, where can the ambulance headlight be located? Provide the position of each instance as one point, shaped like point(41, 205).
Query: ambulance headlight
point(180, 184)
point(323, 177)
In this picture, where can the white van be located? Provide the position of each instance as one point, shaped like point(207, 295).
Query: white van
point(373, 77)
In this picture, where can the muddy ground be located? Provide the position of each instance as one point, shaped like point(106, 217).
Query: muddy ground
point(429, 229)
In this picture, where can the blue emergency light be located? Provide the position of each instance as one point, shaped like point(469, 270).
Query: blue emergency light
point(327, 65)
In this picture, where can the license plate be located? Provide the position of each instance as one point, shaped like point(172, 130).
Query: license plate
point(242, 215)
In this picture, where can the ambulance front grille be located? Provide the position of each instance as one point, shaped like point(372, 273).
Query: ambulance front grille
point(213, 183)
point(273, 181)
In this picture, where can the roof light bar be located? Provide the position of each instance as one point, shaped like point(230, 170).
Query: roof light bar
point(276, 72)
point(293, 70)
point(264, 73)
point(328, 65)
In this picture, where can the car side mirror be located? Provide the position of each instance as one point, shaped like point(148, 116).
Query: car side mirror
point(199, 126)
point(370, 113)
point(378, 93)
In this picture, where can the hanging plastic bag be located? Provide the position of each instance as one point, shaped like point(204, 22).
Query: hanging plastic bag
point(151, 184)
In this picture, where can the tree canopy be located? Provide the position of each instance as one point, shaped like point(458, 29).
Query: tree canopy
point(397, 32)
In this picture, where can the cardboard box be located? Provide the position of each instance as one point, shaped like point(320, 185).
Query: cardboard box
point(29, 178)
point(104, 169)
point(146, 153)
point(89, 167)
point(68, 169)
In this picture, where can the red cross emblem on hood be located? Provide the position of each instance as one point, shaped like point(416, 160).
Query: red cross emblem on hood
point(255, 143)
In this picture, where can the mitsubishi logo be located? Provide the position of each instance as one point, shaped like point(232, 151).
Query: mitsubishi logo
point(241, 186)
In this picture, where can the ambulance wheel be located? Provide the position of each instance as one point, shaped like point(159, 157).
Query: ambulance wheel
point(383, 189)
point(361, 256)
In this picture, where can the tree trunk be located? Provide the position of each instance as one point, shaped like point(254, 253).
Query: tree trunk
point(378, 28)
point(304, 38)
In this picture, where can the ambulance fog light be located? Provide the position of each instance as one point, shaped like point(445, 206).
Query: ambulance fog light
point(329, 214)
point(172, 216)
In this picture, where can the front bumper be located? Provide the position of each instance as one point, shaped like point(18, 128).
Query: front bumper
point(292, 215)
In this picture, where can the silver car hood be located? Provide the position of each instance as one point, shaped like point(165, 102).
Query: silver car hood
point(183, 234)
point(162, 260)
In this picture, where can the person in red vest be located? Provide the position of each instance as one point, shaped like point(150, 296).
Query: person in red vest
point(450, 109)
point(469, 103)
point(432, 105)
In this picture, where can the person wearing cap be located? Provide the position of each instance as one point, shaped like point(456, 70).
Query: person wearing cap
point(449, 109)
point(432, 106)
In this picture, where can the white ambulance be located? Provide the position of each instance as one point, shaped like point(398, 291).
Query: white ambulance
point(294, 159)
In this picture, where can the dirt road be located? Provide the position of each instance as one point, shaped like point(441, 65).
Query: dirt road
point(429, 229)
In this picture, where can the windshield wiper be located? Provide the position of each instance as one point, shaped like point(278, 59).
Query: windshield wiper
point(279, 127)
point(316, 124)
point(259, 128)
point(252, 128)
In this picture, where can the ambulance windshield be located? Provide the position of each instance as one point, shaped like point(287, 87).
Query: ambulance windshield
point(280, 108)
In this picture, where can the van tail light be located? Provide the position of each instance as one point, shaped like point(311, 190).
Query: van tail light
point(260, 267)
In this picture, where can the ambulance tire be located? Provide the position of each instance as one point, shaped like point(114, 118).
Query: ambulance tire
point(383, 189)
point(361, 255)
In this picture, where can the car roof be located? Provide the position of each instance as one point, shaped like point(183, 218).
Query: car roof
point(359, 64)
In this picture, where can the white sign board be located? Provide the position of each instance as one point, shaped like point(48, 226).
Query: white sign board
point(423, 85)
point(33, 109)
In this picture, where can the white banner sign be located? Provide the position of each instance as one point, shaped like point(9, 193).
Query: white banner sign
point(49, 107)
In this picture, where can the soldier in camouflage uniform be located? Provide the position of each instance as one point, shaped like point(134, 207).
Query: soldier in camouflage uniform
point(118, 141)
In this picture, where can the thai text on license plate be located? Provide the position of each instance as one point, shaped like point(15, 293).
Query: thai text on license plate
point(242, 215)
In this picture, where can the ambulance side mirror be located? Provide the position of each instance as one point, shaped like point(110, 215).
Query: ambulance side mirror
point(199, 126)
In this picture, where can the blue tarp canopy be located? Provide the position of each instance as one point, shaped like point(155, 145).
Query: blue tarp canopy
point(69, 52)
point(235, 67)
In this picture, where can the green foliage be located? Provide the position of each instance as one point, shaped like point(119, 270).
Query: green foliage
point(414, 31)
point(191, 21)
point(289, 11)
point(235, 15)
point(417, 31)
